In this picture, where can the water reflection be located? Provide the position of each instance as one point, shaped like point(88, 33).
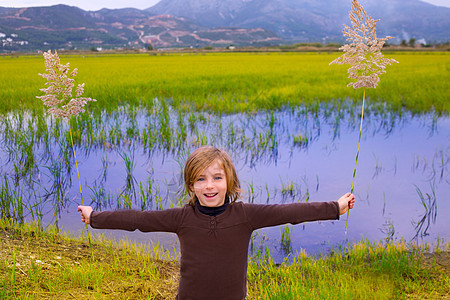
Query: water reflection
point(429, 202)
point(134, 158)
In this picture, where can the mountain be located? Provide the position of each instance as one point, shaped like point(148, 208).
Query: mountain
point(54, 27)
point(62, 26)
point(314, 20)
point(200, 23)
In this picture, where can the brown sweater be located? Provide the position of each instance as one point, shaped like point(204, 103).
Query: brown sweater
point(214, 250)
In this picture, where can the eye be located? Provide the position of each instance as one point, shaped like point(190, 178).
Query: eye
point(218, 178)
point(200, 179)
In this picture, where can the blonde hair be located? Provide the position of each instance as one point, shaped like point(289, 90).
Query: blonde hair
point(201, 159)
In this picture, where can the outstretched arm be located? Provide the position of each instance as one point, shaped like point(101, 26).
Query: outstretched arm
point(85, 212)
point(346, 202)
point(167, 220)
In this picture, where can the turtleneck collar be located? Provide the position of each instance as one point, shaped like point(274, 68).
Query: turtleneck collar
point(212, 211)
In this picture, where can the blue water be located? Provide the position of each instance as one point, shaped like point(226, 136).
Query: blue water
point(400, 157)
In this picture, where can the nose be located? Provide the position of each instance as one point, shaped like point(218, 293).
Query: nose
point(209, 184)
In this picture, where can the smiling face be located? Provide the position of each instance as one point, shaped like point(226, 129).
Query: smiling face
point(194, 168)
point(211, 186)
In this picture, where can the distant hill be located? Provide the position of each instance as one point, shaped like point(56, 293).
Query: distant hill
point(314, 20)
point(200, 23)
point(69, 27)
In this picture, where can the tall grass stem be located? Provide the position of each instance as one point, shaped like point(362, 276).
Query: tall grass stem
point(79, 184)
point(357, 154)
point(76, 163)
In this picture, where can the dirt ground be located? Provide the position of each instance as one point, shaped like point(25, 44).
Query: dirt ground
point(441, 259)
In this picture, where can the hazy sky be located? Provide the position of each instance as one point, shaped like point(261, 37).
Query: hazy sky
point(99, 4)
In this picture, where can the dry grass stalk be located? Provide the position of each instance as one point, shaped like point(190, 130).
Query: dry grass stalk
point(364, 55)
point(363, 51)
point(58, 96)
point(59, 93)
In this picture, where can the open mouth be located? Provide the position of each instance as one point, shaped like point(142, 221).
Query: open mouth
point(211, 195)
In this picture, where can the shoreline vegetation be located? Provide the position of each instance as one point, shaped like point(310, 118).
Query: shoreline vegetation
point(41, 263)
point(296, 47)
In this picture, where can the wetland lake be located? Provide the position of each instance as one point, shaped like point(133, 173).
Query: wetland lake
point(133, 158)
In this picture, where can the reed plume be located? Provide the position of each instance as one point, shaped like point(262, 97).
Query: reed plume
point(59, 97)
point(367, 63)
point(363, 52)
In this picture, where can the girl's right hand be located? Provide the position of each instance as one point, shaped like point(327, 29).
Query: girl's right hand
point(85, 212)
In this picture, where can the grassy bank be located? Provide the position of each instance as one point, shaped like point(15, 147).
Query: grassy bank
point(230, 82)
point(363, 271)
point(38, 264)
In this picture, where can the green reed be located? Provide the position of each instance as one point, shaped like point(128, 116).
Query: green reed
point(251, 192)
point(158, 199)
point(307, 195)
point(125, 199)
point(389, 230)
point(36, 209)
point(286, 232)
point(267, 193)
point(288, 189)
point(25, 159)
point(11, 201)
point(300, 140)
point(59, 181)
point(130, 164)
point(98, 196)
point(146, 195)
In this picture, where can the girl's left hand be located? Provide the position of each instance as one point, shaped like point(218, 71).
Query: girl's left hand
point(346, 202)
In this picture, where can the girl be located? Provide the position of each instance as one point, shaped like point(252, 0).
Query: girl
point(214, 230)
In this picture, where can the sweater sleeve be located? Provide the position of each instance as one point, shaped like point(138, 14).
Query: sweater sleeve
point(168, 220)
point(260, 215)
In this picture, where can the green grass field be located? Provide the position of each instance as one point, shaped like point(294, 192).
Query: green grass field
point(231, 82)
